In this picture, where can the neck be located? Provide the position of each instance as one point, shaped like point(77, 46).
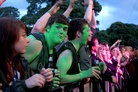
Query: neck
point(50, 44)
point(76, 44)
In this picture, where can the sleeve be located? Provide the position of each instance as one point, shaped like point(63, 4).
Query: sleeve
point(107, 75)
point(93, 30)
point(84, 58)
point(18, 86)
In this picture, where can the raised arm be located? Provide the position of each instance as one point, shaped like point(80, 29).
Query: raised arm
point(90, 14)
point(39, 26)
point(118, 41)
point(70, 8)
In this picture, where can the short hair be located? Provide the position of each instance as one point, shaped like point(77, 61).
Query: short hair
point(75, 25)
point(57, 19)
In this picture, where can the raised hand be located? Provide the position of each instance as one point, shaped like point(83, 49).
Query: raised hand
point(118, 41)
point(36, 80)
point(72, 3)
point(87, 2)
point(56, 7)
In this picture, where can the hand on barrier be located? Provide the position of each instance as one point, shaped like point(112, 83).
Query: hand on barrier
point(102, 66)
point(96, 72)
point(56, 80)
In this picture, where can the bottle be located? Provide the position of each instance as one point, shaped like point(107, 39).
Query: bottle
point(50, 65)
point(55, 71)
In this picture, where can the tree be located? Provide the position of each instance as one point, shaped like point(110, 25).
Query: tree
point(128, 33)
point(9, 12)
point(38, 7)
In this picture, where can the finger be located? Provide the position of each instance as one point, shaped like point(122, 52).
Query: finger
point(96, 75)
point(47, 72)
point(56, 82)
point(41, 78)
point(41, 82)
point(97, 71)
point(47, 75)
point(55, 85)
point(49, 78)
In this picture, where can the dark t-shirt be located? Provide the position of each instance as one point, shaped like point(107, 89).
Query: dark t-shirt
point(84, 58)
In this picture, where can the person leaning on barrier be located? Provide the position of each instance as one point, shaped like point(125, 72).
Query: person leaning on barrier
point(13, 74)
point(38, 52)
point(67, 60)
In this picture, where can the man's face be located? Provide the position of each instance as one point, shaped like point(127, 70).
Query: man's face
point(85, 34)
point(58, 32)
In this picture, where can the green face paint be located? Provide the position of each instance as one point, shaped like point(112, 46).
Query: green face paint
point(85, 34)
point(58, 32)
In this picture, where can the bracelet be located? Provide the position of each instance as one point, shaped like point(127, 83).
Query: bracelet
point(80, 76)
point(50, 13)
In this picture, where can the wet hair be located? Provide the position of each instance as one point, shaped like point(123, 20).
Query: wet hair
point(76, 24)
point(57, 19)
point(9, 35)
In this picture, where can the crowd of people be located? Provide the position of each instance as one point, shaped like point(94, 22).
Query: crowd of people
point(61, 52)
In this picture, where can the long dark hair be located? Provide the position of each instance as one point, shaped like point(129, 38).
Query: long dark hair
point(9, 35)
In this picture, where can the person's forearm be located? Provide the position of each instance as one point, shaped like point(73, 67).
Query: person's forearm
point(41, 23)
point(88, 13)
point(70, 78)
point(93, 20)
point(67, 12)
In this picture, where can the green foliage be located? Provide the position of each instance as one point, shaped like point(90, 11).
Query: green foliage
point(128, 33)
point(102, 36)
point(35, 10)
point(9, 12)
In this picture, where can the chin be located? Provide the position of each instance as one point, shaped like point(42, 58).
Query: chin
point(23, 52)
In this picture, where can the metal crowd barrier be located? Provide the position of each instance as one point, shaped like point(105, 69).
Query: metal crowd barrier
point(83, 87)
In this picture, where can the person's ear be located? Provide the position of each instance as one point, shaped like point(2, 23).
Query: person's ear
point(78, 34)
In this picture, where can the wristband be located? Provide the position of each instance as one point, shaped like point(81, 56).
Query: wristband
point(50, 13)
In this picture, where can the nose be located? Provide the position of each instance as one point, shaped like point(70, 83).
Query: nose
point(61, 29)
point(27, 40)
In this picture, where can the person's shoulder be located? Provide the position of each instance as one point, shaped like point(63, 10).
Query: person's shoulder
point(34, 42)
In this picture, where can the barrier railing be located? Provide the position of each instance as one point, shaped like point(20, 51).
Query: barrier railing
point(83, 87)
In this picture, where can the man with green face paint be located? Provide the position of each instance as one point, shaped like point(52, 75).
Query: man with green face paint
point(41, 45)
point(67, 62)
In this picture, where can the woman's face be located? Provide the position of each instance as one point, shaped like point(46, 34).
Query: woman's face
point(22, 43)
